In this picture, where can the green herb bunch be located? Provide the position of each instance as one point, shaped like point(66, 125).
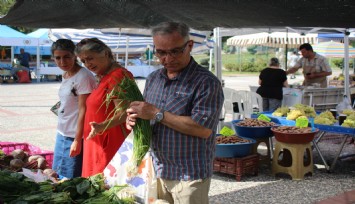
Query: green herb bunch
point(127, 91)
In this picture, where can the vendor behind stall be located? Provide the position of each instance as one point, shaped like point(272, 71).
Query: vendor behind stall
point(315, 67)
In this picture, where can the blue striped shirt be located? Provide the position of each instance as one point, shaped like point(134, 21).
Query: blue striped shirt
point(195, 92)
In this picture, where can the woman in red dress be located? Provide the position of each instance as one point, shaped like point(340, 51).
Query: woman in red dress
point(103, 133)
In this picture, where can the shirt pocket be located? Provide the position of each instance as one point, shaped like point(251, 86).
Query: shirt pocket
point(179, 103)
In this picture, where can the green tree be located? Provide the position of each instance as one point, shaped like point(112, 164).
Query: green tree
point(5, 6)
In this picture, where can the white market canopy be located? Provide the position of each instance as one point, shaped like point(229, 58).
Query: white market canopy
point(125, 40)
point(274, 39)
point(11, 37)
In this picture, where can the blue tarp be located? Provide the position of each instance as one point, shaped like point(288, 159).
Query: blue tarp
point(7, 32)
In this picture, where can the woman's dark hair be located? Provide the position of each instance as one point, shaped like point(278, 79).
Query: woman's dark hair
point(274, 62)
point(63, 44)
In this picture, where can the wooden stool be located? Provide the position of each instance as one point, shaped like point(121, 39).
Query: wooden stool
point(293, 160)
point(263, 159)
point(237, 166)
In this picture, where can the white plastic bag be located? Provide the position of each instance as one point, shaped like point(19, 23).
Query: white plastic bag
point(144, 183)
point(345, 104)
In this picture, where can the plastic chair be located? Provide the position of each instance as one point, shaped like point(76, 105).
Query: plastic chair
point(230, 97)
point(250, 101)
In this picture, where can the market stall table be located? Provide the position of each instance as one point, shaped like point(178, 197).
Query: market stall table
point(336, 128)
point(319, 98)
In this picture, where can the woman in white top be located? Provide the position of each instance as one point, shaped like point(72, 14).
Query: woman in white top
point(77, 84)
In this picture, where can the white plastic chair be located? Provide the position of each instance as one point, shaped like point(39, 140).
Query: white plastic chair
point(230, 96)
point(250, 101)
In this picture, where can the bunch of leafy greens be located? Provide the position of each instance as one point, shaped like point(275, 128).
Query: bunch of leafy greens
point(127, 91)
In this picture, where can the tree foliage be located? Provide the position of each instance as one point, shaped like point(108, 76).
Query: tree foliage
point(5, 6)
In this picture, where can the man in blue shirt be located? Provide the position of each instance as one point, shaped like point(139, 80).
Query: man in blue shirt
point(185, 101)
point(25, 59)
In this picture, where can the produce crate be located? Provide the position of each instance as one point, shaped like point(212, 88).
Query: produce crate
point(323, 98)
point(8, 147)
point(237, 166)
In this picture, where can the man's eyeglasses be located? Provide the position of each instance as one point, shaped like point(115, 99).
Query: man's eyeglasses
point(177, 52)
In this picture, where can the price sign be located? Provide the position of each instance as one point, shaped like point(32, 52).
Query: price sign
point(264, 118)
point(227, 131)
point(301, 122)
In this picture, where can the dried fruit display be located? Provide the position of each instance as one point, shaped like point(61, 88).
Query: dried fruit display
point(231, 140)
point(250, 122)
point(292, 129)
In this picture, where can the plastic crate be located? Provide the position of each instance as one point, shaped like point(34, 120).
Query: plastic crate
point(237, 166)
point(8, 147)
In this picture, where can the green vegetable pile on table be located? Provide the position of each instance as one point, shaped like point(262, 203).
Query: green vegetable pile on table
point(16, 188)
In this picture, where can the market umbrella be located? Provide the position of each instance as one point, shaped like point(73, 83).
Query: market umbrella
point(333, 49)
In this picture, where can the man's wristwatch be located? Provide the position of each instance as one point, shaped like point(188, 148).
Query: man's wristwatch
point(159, 115)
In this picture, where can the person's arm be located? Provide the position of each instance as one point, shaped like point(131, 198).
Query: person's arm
point(76, 146)
point(291, 70)
point(318, 75)
point(118, 118)
point(326, 70)
point(295, 67)
point(183, 124)
point(285, 84)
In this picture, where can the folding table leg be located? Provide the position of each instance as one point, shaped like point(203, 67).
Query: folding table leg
point(338, 153)
point(320, 154)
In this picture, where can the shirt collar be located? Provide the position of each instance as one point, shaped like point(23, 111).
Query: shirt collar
point(186, 73)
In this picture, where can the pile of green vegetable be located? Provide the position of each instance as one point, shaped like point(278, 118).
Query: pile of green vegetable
point(325, 118)
point(16, 188)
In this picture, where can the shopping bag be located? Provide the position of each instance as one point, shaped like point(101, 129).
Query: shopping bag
point(55, 108)
point(144, 183)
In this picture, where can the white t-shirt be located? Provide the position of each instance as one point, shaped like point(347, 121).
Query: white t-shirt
point(83, 82)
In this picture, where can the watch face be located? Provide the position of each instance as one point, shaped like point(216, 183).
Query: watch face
point(159, 116)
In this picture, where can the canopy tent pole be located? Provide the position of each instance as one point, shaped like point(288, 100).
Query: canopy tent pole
point(210, 63)
point(218, 66)
point(126, 60)
point(118, 44)
point(346, 64)
point(240, 58)
point(12, 55)
point(218, 50)
point(37, 64)
point(286, 49)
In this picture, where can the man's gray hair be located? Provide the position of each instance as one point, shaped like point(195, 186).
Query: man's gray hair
point(171, 27)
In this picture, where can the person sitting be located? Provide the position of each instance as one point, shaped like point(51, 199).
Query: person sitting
point(25, 59)
point(16, 68)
